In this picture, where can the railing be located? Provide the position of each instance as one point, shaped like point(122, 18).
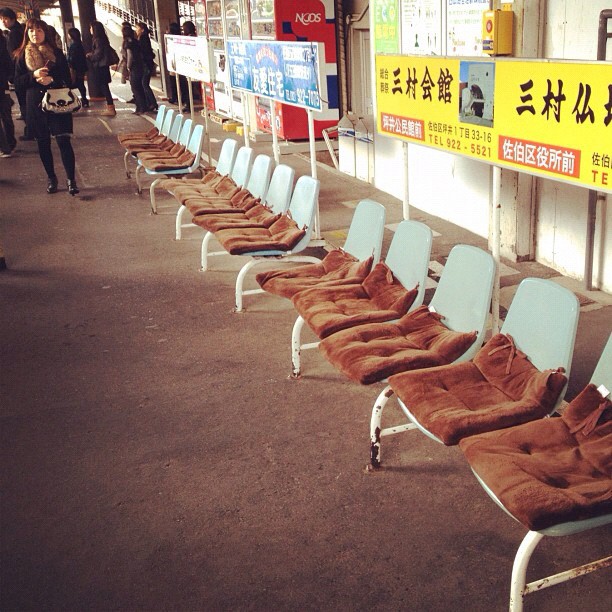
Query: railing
point(129, 16)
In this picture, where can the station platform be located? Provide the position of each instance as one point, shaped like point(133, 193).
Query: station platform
point(157, 455)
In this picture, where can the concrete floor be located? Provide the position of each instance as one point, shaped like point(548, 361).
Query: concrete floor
point(157, 456)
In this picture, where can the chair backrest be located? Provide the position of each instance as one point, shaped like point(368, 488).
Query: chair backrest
point(408, 256)
point(463, 295)
point(279, 191)
point(227, 156)
point(260, 176)
point(366, 231)
point(167, 124)
point(185, 132)
point(543, 319)
point(175, 130)
point(159, 118)
point(195, 145)
point(303, 206)
point(242, 166)
point(603, 370)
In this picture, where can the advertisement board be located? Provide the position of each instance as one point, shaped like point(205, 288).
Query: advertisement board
point(287, 72)
point(548, 118)
point(189, 56)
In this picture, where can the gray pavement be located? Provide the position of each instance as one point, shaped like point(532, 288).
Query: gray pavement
point(157, 456)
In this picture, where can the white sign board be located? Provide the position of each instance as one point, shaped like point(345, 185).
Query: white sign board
point(189, 56)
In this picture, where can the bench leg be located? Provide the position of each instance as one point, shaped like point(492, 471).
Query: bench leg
point(128, 174)
point(179, 220)
point(138, 186)
point(152, 194)
point(376, 425)
point(240, 282)
point(204, 253)
point(296, 342)
point(519, 569)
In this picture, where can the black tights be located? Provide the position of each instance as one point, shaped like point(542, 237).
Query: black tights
point(66, 151)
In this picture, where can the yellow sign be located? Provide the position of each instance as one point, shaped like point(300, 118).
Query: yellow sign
point(552, 119)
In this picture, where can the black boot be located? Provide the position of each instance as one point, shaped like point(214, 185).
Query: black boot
point(52, 184)
point(72, 187)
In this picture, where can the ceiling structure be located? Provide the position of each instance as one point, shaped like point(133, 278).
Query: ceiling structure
point(20, 6)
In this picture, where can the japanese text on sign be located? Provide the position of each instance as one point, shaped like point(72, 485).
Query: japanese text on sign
point(545, 118)
point(283, 71)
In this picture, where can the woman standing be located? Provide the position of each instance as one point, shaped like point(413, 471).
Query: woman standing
point(102, 57)
point(144, 39)
point(40, 65)
point(78, 63)
point(135, 67)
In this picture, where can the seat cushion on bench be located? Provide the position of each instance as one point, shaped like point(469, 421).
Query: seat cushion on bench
point(175, 151)
point(225, 188)
point(545, 472)
point(172, 183)
point(126, 136)
point(380, 297)
point(282, 235)
point(160, 142)
point(238, 204)
point(336, 268)
point(499, 388)
point(370, 353)
point(182, 162)
point(256, 216)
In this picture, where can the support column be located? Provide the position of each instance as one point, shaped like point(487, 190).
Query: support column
point(67, 16)
point(165, 14)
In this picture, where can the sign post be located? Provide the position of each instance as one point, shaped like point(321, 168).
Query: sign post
point(287, 72)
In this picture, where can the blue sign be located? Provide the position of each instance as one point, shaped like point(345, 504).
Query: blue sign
point(284, 71)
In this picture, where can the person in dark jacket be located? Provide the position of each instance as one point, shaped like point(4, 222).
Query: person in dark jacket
point(78, 63)
point(135, 67)
point(144, 39)
point(14, 38)
point(7, 127)
point(40, 65)
point(100, 58)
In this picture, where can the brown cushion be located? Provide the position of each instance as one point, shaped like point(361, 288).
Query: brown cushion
point(499, 388)
point(237, 204)
point(224, 188)
point(373, 352)
point(328, 310)
point(172, 183)
point(336, 268)
point(175, 151)
point(282, 235)
point(127, 136)
point(546, 472)
point(181, 162)
point(159, 142)
point(256, 216)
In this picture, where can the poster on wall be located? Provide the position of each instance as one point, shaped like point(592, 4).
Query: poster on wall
point(386, 26)
point(464, 26)
point(548, 118)
point(422, 27)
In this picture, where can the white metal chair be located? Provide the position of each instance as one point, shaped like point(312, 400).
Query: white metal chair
point(541, 321)
point(483, 451)
point(240, 173)
point(302, 210)
point(407, 258)
point(195, 147)
point(183, 139)
point(277, 197)
point(164, 131)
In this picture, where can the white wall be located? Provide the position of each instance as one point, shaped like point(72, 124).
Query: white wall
point(571, 33)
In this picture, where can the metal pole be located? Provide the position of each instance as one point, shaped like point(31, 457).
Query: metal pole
point(192, 114)
point(313, 169)
point(245, 113)
point(208, 149)
point(496, 243)
point(275, 148)
point(406, 201)
point(178, 92)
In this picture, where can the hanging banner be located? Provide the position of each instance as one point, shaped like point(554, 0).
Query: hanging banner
point(188, 56)
point(288, 72)
point(552, 119)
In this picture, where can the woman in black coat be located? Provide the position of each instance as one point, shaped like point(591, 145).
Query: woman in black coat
point(40, 65)
point(135, 67)
point(148, 55)
point(78, 63)
point(101, 58)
